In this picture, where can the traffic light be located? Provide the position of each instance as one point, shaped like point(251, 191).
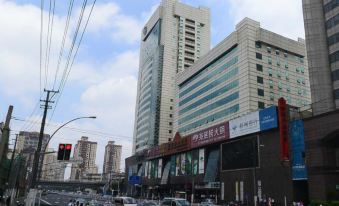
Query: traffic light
point(64, 151)
point(68, 151)
point(61, 152)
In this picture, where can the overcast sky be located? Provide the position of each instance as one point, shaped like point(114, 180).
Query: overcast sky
point(103, 79)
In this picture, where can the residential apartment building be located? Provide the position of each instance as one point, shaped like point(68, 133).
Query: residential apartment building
point(52, 169)
point(112, 158)
point(173, 39)
point(321, 21)
point(85, 153)
point(249, 70)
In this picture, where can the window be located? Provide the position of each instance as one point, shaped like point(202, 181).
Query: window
point(259, 68)
point(170, 123)
point(286, 65)
point(335, 75)
point(170, 131)
point(271, 84)
point(278, 62)
point(269, 60)
point(171, 107)
point(261, 105)
point(169, 139)
point(272, 97)
point(336, 94)
point(171, 100)
point(297, 69)
point(170, 115)
point(278, 74)
point(288, 89)
point(277, 52)
point(270, 72)
point(287, 76)
point(302, 69)
point(269, 49)
point(258, 55)
point(261, 92)
point(285, 55)
point(260, 80)
point(258, 44)
point(279, 85)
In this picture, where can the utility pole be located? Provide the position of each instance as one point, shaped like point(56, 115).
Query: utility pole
point(41, 135)
point(12, 157)
point(5, 134)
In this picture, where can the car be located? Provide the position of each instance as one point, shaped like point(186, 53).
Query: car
point(80, 202)
point(125, 201)
point(148, 203)
point(174, 202)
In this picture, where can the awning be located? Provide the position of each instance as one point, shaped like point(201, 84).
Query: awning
point(212, 166)
point(165, 174)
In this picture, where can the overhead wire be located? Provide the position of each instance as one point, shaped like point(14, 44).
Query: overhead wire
point(47, 41)
point(68, 67)
point(70, 8)
point(49, 45)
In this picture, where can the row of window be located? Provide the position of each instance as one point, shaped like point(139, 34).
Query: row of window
point(333, 39)
point(336, 94)
point(208, 67)
point(332, 22)
point(221, 114)
point(210, 107)
point(300, 80)
point(277, 52)
point(260, 80)
point(331, 5)
point(213, 95)
point(269, 60)
point(210, 86)
point(334, 57)
point(209, 76)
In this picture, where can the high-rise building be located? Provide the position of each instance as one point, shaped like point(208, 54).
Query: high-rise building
point(27, 143)
point(112, 158)
point(249, 70)
point(28, 140)
point(52, 169)
point(322, 37)
point(175, 37)
point(85, 153)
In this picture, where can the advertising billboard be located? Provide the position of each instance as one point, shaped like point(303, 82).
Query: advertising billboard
point(246, 124)
point(183, 164)
point(177, 165)
point(201, 161)
point(173, 165)
point(210, 135)
point(159, 168)
point(296, 131)
point(195, 157)
point(189, 163)
point(268, 118)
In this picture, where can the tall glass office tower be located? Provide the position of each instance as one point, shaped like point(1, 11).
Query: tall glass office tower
point(173, 39)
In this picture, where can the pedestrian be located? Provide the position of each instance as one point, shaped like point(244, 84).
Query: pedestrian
point(70, 203)
point(8, 201)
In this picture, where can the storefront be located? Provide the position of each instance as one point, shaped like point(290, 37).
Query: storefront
point(240, 160)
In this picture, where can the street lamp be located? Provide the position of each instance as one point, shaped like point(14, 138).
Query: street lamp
point(72, 120)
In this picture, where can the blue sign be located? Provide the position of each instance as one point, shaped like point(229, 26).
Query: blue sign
point(134, 180)
point(299, 171)
point(268, 118)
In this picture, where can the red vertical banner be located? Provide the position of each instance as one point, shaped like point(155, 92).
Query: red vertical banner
point(283, 129)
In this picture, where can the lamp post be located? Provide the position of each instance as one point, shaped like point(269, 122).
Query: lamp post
point(44, 151)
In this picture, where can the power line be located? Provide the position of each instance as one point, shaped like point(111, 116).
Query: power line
point(77, 129)
point(49, 45)
point(66, 74)
point(41, 31)
point(47, 41)
point(70, 8)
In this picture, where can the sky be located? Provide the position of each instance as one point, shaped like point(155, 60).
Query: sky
point(102, 81)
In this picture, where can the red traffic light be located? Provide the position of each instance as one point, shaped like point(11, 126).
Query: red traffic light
point(61, 146)
point(68, 146)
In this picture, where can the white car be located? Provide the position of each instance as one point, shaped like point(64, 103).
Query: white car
point(125, 201)
point(174, 202)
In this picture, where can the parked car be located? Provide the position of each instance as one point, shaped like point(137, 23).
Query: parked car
point(174, 202)
point(149, 203)
point(125, 201)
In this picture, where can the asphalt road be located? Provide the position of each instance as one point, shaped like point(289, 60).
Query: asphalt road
point(55, 199)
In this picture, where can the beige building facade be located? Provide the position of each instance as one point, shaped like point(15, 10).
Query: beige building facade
point(249, 70)
point(112, 158)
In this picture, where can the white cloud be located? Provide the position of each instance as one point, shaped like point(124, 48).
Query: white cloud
point(280, 16)
point(109, 18)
